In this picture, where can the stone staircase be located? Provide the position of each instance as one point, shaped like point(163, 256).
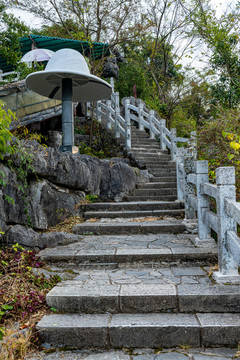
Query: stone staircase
point(163, 186)
point(138, 280)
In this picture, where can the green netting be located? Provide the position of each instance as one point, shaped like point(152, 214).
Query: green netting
point(93, 50)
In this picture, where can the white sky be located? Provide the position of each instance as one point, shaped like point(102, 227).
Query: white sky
point(34, 22)
point(199, 61)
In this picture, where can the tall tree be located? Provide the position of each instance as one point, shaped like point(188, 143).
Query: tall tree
point(11, 29)
point(221, 37)
point(95, 20)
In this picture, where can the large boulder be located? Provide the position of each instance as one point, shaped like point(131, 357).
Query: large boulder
point(15, 196)
point(41, 204)
point(110, 68)
point(29, 238)
point(54, 186)
point(109, 179)
point(118, 179)
point(51, 204)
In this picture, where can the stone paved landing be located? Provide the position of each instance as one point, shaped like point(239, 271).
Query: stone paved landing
point(142, 354)
point(127, 248)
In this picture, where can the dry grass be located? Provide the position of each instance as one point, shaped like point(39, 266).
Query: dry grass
point(67, 224)
point(212, 269)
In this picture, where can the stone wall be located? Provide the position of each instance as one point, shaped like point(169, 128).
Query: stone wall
point(57, 187)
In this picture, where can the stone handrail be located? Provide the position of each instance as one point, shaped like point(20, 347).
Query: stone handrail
point(193, 185)
point(146, 119)
point(198, 194)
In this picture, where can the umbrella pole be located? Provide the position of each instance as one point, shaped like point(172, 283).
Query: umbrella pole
point(67, 116)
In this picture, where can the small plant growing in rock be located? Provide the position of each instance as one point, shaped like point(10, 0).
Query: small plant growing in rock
point(91, 198)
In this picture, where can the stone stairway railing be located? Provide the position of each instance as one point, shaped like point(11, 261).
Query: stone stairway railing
point(193, 187)
point(146, 119)
point(197, 196)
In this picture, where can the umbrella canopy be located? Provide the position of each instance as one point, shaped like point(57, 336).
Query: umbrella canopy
point(68, 64)
point(37, 55)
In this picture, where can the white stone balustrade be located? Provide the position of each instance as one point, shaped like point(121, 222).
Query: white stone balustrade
point(192, 182)
point(223, 222)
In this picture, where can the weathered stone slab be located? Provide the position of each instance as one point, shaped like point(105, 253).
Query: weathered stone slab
point(192, 253)
point(154, 330)
point(171, 356)
point(132, 254)
point(219, 329)
point(206, 357)
point(74, 330)
point(86, 299)
point(154, 227)
point(203, 298)
point(188, 271)
point(148, 298)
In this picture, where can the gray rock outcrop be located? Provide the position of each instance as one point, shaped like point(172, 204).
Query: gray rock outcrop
point(57, 188)
point(29, 238)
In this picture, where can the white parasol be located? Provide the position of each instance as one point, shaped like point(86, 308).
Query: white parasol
point(37, 55)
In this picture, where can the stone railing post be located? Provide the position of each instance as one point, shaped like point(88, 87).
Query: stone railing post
point(173, 144)
point(112, 83)
point(225, 180)
point(140, 116)
point(180, 177)
point(189, 189)
point(98, 111)
point(108, 114)
point(127, 125)
point(203, 203)
point(162, 127)
point(88, 109)
point(151, 116)
point(117, 113)
point(193, 145)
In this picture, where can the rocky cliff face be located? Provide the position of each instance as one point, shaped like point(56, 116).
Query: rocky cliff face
point(58, 186)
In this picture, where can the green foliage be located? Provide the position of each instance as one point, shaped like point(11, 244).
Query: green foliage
point(131, 73)
point(23, 70)
point(23, 160)
point(100, 144)
point(87, 150)
point(23, 133)
point(6, 117)
point(151, 67)
point(11, 29)
point(222, 39)
point(91, 198)
point(219, 143)
point(183, 123)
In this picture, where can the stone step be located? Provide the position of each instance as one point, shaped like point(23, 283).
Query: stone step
point(156, 162)
point(144, 149)
point(140, 330)
point(136, 145)
point(134, 206)
point(146, 154)
point(157, 185)
point(165, 172)
point(141, 227)
point(142, 254)
point(161, 164)
point(160, 155)
point(163, 178)
point(76, 297)
point(151, 198)
point(132, 214)
point(155, 192)
point(136, 140)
